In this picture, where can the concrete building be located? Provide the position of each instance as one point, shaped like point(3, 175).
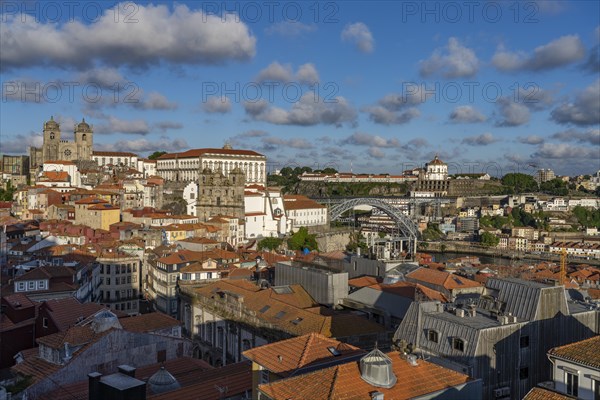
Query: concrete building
point(186, 166)
point(544, 175)
point(96, 213)
point(115, 158)
point(120, 281)
point(502, 338)
point(265, 213)
point(325, 285)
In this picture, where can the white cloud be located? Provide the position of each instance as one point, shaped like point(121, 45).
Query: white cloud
point(480, 140)
point(566, 151)
point(277, 72)
point(557, 53)
point(375, 152)
point(466, 114)
point(144, 145)
point(451, 61)
point(585, 110)
point(116, 125)
point(366, 139)
point(359, 35)
point(531, 139)
point(154, 101)
point(384, 116)
point(177, 36)
point(591, 136)
point(306, 112)
point(106, 78)
point(513, 114)
point(19, 144)
point(217, 105)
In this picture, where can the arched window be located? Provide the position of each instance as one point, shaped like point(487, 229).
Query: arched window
point(84, 137)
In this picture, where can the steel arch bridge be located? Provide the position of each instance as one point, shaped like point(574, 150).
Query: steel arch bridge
point(405, 225)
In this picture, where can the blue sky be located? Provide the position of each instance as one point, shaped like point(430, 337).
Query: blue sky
point(382, 86)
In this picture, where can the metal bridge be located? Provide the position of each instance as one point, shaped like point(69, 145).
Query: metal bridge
point(408, 229)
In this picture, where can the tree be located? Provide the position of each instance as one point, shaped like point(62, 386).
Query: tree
point(156, 154)
point(489, 240)
point(270, 243)
point(7, 194)
point(556, 187)
point(303, 240)
point(520, 183)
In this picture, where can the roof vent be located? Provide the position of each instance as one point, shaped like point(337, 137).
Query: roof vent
point(376, 369)
point(412, 360)
point(377, 396)
point(162, 381)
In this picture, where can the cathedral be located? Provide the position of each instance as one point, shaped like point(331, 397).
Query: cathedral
point(54, 148)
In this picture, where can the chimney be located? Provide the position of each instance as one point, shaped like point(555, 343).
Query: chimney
point(126, 370)
point(412, 360)
point(460, 312)
point(94, 386)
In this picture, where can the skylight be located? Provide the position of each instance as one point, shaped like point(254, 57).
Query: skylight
point(265, 308)
point(280, 314)
point(333, 351)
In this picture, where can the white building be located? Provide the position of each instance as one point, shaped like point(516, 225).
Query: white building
point(190, 195)
point(576, 369)
point(64, 166)
point(117, 158)
point(302, 211)
point(436, 170)
point(146, 167)
point(185, 167)
point(265, 213)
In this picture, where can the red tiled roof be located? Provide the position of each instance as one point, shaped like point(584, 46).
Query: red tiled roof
point(201, 152)
point(538, 393)
point(57, 176)
point(146, 323)
point(67, 312)
point(298, 202)
point(584, 352)
point(344, 382)
point(285, 357)
point(441, 278)
point(113, 153)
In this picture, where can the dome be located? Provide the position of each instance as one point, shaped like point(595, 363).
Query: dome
point(51, 124)
point(376, 369)
point(104, 321)
point(437, 161)
point(162, 381)
point(83, 126)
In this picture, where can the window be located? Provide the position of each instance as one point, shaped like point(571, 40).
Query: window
point(432, 336)
point(161, 356)
point(596, 389)
point(572, 381)
point(45, 322)
point(264, 376)
point(524, 341)
point(220, 337)
point(108, 281)
point(21, 286)
point(523, 373)
point(41, 284)
point(458, 344)
point(31, 285)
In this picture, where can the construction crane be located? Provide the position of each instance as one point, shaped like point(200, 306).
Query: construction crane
point(563, 266)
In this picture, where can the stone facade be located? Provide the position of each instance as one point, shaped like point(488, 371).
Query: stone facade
point(220, 194)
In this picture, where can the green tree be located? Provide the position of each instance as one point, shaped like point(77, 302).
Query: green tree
point(7, 194)
point(489, 240)
point(520, 183)
point(156, 154)
point(302, 239)
point(270, 243)
point(556, 187)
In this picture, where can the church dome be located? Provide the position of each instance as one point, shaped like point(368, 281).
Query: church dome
point(162, 381)
point(437, 161)
point(51, 124)
point(83, 126)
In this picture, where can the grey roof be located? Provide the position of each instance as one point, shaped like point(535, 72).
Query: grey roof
point(521, 297)
point(121, 381)
point(394, 304)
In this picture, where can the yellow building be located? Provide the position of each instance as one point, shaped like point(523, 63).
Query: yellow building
point(96, 213)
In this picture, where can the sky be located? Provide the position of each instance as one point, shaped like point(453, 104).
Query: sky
point(372, 87)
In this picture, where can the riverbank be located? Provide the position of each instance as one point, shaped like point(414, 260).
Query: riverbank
point(496, 255)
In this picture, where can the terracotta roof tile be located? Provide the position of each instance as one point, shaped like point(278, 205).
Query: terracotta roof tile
point(67, 312)
point(586, 352)
point(538, 393)
point(441, 278)
point(147, 323)
point(200, 152)
point(344, 382)
point(286, 356)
